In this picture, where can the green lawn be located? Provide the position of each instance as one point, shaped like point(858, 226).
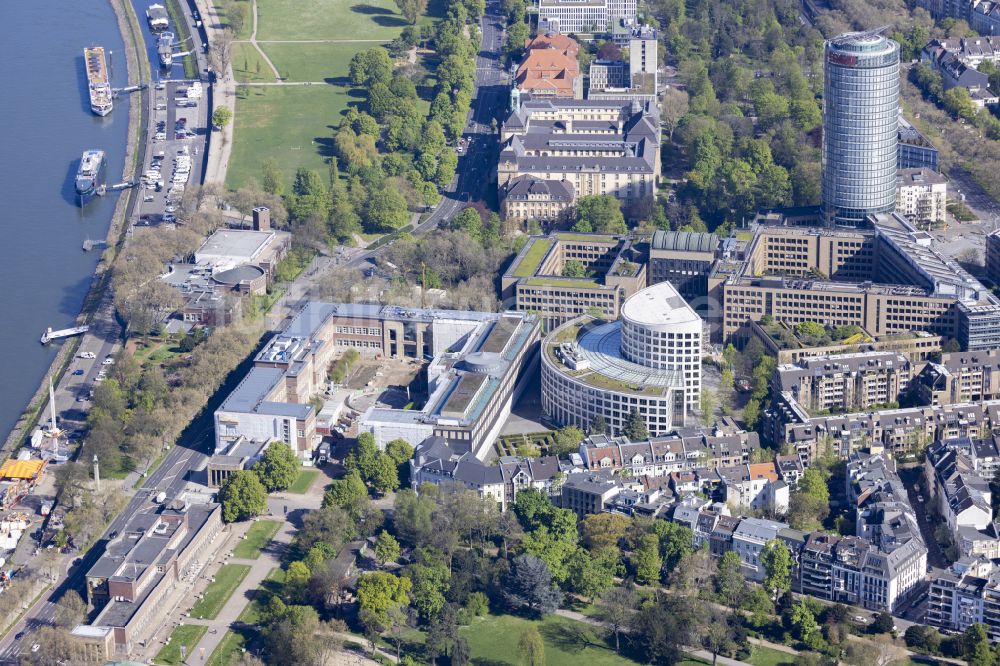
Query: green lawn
point(244, 32)
point(303, 481)
point(248, 66)
point(328, 19)
point(314, 62)
point(218, 592)
point(185, 634)
point(258, 536)
point(493, 640)
point(294, 125)
point(765, 656)
point(225, 653)
point(271, 583)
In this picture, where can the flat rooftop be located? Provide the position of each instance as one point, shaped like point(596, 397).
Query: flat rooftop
point(659, 305)
point(235, 243)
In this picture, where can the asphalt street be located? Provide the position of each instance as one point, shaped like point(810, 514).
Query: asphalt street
point(475, 168)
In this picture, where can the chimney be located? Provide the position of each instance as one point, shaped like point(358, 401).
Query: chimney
point(261, 218)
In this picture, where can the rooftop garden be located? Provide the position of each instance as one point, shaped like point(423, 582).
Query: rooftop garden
point(555, 281)
point(532, 258)
point(812, 334)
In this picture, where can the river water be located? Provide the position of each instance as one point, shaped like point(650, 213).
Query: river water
point(45, 110)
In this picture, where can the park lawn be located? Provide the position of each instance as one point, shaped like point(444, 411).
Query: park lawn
point(314, 62)
point(765, 656)
point(248, 66)
point(493, 639)
point(271, 583)
point(258, 536)
point(187, 635)
point(225, 652)
point(218, 591)
point(294, 125)
point(328, 19)
point(244, 32)
point(303, 481)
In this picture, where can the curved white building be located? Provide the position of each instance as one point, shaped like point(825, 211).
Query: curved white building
point(649, 360)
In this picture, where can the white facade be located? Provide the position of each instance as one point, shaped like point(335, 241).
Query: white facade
point(648, 361)
point(922, 196)
point(582, 16)
point(659, 330)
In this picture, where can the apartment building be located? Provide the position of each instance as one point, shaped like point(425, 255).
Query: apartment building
point(757, 486)
point(885, 562)
point(967, 593)
point(590, 493)
point(922, 196)
point(781, 341)
point(845, 382)
point(850, 570)
point(438, 463)
point(537, 280)
point(900, 431)
point(962, 497)
point(598, 146)
point(960, 377)
point(958, 59)
point(583, 16)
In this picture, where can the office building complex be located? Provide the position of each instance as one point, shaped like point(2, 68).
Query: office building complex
point(471, 382)
point(648, 361)
point(683, 259)
point(832, 277)
point(993, 258)
point(922, 196)
point(860, 110)
point(592, 146)
point(478, 360)
point(583, 16)
point(541, 278)
point(635, 79)
point(158, 549)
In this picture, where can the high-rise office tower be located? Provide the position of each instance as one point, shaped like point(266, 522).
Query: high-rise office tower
point(860, 116)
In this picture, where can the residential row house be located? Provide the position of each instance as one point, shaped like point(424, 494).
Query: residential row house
point(436, 462)
point(960, 492)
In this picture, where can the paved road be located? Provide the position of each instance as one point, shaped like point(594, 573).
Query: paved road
point(475, 169)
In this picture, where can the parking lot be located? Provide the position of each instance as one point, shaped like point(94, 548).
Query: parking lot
point(174, 156)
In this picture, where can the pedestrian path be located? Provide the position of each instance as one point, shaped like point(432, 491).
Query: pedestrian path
point(223, 94)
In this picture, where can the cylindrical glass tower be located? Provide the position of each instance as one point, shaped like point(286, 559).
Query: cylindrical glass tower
point(860, 121)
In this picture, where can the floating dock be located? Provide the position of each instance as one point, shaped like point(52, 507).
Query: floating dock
point(49, 335)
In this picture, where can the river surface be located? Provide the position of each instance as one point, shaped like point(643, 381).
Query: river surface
point(47, 124)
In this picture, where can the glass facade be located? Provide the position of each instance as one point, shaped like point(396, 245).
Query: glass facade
point(860, 127)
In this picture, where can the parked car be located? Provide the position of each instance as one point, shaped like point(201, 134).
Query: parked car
point(78, 372)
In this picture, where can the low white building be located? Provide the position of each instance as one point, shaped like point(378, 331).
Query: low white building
point(921, 196)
